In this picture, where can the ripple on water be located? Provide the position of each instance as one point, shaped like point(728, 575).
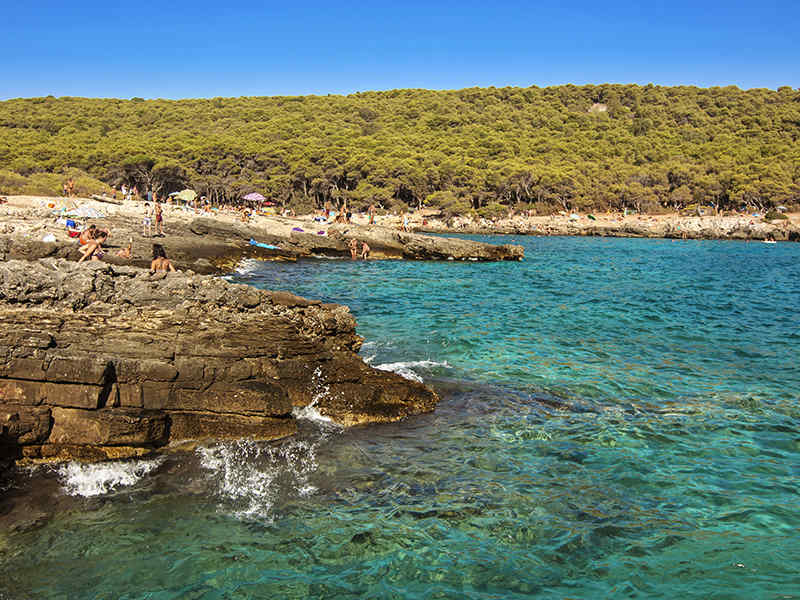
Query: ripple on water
point(619, 419)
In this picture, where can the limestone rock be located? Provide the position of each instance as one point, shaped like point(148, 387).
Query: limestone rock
point(99, 362)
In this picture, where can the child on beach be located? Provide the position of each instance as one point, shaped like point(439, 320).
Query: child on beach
point(159, 220)
point(126, 252)
point(147, 221)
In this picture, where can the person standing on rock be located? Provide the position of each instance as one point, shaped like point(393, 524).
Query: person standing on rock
point(353, 245)
point(371, 211)
point(364, 250)
point(147, 221)
point(159, 220)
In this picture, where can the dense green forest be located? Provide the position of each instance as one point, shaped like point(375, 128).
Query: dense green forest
point(569, 147)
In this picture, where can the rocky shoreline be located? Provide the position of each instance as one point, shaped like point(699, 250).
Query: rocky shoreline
point(102, 362)
point(216, 243)
point(741, 228)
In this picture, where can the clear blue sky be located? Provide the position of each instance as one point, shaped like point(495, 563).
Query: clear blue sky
point(203, 49)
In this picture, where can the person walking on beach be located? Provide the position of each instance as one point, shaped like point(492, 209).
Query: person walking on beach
point(353, 245)
point(159, 220)
point(160, 261)
point(147, 221)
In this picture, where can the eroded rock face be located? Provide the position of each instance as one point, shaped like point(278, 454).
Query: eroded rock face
point(106, 362)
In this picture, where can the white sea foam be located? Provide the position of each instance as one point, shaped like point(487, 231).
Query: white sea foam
point(249, 477)
point(409, 369)
point(310, 412)
point(80, 479)
point(245, 267)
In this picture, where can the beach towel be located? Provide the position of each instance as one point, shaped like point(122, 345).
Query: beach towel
point(263, 245)
point(297, 229)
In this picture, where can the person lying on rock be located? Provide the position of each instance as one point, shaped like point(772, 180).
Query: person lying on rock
point(127, 251)
point(160, 261)
point(94, 249)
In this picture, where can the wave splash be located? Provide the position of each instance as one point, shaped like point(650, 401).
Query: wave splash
point(78, 479)
point(250, 477)
point(409, 369)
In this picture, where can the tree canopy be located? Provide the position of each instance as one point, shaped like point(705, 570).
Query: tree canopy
point(567, 147)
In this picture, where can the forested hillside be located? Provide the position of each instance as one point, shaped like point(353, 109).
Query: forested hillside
point(564, 147)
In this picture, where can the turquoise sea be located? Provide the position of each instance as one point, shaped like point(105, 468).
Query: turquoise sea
point(620, 418)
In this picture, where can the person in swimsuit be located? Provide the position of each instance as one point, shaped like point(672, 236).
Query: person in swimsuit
point(87, 235)
point(371, 211)
point(159, 220)
point(126, 252)
point(364, 250)
point(94, 249)
point(160, 261)
point(147, 221)
point(353, 245)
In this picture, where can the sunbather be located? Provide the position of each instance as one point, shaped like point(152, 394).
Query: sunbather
point(126, 252)
point(94, 249)
point(160, 261)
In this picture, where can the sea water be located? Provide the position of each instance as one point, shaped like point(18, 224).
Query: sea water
point(619, 418)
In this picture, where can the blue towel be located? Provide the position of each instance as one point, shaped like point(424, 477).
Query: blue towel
point(263, 245)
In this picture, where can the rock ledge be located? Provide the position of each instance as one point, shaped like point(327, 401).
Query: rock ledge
point(99, 361)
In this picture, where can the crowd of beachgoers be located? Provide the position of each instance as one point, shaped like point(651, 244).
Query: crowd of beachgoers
point(92, 222)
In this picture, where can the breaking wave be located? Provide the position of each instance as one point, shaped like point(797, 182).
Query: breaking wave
point(78, 479)
point(409, 369)
point(249, 478)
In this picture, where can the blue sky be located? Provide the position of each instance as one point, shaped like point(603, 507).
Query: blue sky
point(203, 49)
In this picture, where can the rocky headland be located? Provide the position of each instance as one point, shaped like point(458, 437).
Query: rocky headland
point(100, 361)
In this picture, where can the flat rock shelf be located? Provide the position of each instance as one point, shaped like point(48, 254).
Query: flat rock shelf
point(100, 361)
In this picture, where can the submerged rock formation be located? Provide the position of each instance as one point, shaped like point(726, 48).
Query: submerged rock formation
point(99, 361)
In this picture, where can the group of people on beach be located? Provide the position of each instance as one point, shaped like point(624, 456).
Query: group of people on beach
point(354, 253)
point(153, 213)
point(91, 242)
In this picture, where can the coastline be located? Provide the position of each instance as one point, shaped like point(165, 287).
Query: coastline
point(671, 226)
point(209, 242)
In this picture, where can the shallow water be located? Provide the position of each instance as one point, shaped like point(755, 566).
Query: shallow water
point(619, 418)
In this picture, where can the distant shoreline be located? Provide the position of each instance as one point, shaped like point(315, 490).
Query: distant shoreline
point(670, 226)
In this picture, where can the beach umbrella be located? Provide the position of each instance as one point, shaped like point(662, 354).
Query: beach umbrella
point(254, 197)
point(186, 195)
